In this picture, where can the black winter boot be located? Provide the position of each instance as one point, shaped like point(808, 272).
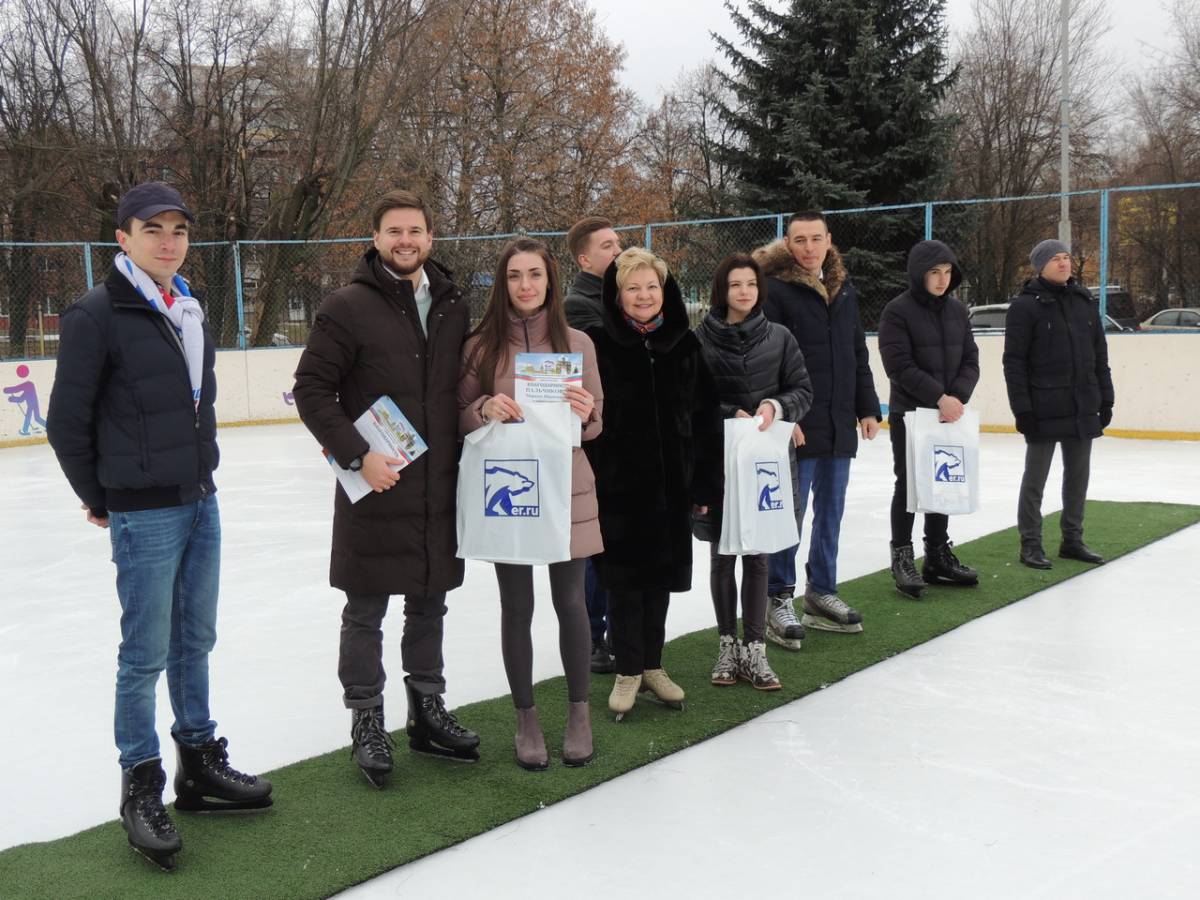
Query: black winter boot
point(371, 745)
point(941, 566)
point(602, 659)
point(1034, 556)
point(143, 816)
point(205, 782)
point(433, 729)
point(904, 572)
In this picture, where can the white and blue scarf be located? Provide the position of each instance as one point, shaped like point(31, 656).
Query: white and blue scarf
point(182, 311)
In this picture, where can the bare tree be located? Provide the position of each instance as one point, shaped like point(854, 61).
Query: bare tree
point(1156, 235)
point(1006, 101)
point(35, 149)
point(333, 97)
point(214, 102)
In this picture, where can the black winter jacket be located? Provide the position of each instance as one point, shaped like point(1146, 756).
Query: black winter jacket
point(834, 345)
point(925, 342)
point(660, 451)
point(122, 421)
point(750, 362)
point(1056, 362)
point(368, 342)
point(583, 305)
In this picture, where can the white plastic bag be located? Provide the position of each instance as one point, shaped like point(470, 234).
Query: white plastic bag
point(514, 489)
point(757, 515)
point(942, 461)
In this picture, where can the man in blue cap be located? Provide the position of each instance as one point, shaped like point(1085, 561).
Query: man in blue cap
point(133, 425)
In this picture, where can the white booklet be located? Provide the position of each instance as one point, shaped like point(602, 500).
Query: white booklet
point(389, 432)
point(544, 377)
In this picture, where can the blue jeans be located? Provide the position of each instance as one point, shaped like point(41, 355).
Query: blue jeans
point(826, 477)
point(168, 566)
point(596, 598)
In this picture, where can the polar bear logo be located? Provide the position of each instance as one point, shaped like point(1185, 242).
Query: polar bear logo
point(768, 486)
point(948, 465)
point(504, 481)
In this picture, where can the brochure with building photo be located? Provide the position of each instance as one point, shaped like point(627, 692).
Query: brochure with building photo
point(387, 431)
point(544, 377)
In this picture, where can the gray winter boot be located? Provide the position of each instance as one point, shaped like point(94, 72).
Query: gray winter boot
point(577, 741)
point(530, 742)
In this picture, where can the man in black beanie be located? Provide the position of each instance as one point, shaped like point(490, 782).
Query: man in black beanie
point(1061, 392)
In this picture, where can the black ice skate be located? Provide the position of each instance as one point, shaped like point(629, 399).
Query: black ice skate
point(150, 830)
point(205, 782)
point(941, 566)
point(433, 729)
point(371, 745)
point(904, 572)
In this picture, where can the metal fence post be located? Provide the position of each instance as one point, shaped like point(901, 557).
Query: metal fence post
point(1103, 254)
point(929, 221)
point(87, 265)
point(649, 235)
point(779, 226)
point(237, 282)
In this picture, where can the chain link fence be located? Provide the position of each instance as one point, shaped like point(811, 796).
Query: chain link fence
point(1137, 248)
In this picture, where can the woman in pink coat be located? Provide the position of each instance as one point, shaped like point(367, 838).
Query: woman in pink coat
point(525, 314)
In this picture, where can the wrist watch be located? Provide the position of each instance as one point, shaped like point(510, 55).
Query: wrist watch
point(356, 464)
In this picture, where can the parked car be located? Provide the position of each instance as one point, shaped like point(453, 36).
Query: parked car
point(990, 320)
point(1187, 319)
point(1120, 305)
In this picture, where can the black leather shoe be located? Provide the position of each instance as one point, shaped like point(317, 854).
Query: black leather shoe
point(1080, 551)
point(1033, 556)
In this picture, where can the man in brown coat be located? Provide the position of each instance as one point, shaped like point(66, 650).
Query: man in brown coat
point(397, 330)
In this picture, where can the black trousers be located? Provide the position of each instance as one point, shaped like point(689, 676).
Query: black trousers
point(1077, 467)
point(516, 620)
point(725, 594)
point(936, 525)
point(360, 659)
point(637, 627)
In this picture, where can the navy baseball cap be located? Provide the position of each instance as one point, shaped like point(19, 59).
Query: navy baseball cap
point(145, 201)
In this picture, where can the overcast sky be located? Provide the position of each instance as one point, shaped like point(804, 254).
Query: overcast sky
point(664, 37)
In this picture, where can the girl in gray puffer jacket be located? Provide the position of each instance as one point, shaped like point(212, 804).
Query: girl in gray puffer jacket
point(758, 370)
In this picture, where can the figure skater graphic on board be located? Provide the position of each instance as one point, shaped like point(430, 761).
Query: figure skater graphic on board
point(26, 398)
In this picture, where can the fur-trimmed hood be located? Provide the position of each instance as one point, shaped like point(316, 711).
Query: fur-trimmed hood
point(777, 262)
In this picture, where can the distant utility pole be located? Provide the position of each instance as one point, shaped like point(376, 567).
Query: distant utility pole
point(1064, 215)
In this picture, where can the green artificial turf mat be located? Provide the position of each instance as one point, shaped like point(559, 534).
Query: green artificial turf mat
point(329, 829)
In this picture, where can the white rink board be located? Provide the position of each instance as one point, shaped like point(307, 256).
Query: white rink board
point(1153, 373)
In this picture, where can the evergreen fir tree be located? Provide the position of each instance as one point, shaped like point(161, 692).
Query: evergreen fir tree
point(838, 107)
point(838, 103)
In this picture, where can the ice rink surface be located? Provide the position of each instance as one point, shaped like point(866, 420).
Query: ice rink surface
point(1051, 749)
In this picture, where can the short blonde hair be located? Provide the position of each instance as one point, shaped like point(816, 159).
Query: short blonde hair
point(640, 258)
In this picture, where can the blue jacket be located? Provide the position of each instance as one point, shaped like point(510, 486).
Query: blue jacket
point(834, 345)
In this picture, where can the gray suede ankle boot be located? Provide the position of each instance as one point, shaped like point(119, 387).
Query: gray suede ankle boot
point(577, 741)
point(530, 742)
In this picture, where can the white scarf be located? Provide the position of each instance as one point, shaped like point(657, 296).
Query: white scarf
point(182, 311)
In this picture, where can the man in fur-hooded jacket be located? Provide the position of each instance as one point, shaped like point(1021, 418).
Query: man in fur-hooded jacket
point(810, 292)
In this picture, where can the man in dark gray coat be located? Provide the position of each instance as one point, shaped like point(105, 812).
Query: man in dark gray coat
point(396, 330)
point(1061, 392)
point(593, 245)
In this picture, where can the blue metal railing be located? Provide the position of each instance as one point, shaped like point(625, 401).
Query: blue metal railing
point(928, 210)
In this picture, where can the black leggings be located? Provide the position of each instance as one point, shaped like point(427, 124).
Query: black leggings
point(725, 594)
point(936, 525)
point(637, 628)
point(516, 619)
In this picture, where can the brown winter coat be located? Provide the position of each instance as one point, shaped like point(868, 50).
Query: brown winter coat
point(532, 335)
point(367, 341)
